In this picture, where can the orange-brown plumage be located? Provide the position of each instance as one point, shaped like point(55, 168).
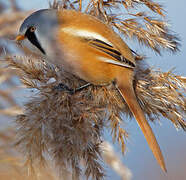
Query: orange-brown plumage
point(92, 51)
point(90, 68)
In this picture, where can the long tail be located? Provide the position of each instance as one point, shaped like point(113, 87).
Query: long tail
point(127, 91)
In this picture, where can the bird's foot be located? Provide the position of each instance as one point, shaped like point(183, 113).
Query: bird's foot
point(63, 87)
point(82, 87)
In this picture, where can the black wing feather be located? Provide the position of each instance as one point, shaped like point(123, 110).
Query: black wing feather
point(110, 50)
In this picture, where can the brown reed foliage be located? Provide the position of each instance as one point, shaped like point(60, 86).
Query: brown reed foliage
point(111, 158)
point(11, 162)
point(8, 104)
point(143, 20)
point(67, 129)
point(9, 22)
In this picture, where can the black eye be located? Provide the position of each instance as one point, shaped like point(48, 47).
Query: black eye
point(32, 29)
point(31, 36)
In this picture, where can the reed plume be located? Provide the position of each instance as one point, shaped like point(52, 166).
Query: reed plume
point(65, 132)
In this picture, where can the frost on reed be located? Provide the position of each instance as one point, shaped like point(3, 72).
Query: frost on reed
point(67, 129)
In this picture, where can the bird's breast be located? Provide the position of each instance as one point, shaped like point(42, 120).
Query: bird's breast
point(84, 61)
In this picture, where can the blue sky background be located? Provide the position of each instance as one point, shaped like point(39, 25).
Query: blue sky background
point(173, 143)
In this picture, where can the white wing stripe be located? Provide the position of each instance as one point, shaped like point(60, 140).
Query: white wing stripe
point(85, 33)
point(110, 61)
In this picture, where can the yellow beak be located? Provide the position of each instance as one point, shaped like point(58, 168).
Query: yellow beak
point(20, 37)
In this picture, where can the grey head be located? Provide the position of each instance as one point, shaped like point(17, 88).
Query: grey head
point(38, 30)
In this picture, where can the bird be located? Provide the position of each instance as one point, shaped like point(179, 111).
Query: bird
point(90, 49)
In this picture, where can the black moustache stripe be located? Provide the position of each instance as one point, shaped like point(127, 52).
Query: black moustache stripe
point(33, 39)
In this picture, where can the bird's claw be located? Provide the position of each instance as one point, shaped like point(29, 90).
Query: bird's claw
point(65, 88)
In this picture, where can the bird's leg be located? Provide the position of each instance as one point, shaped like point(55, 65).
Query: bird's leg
point(82, 87)
point(63, 87)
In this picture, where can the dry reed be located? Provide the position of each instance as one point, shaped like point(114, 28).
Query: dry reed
point(67, 129)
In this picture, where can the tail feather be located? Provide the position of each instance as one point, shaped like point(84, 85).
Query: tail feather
point(130, 98)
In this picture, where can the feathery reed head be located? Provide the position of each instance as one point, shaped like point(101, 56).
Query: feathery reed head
point(149, 27)
point(69, 127)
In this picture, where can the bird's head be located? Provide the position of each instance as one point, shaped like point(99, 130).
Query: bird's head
point(37, 31)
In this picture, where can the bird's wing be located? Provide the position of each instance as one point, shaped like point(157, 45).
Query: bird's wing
point(117, 57)
point(102, 44)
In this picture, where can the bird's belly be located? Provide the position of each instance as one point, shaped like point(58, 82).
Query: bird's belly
point(84, 61)
point(89, 69)
point(95, 72)
point(97, 75)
